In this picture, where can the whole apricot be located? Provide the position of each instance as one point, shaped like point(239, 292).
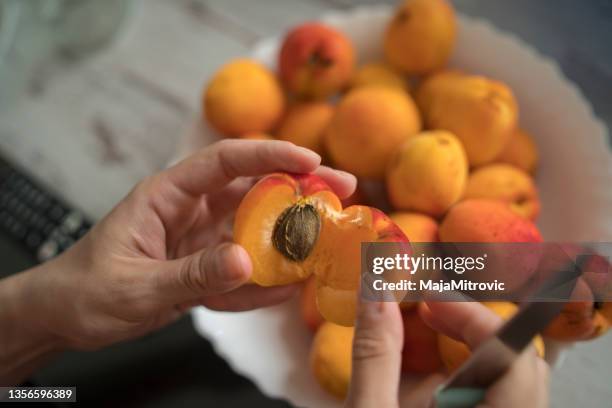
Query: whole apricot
point(316, 61)
point(481, 112)
point(243, 97)
point(428, 173)
point(305, 123)
point(505, 183)
point(482, 220)
point(454, 353)
point(417, 227)
point(331, 358)
point(521, 151)
point(370, 123)
point(293, 226)
point(378, 74)
point(420, 354)
point(420, 36)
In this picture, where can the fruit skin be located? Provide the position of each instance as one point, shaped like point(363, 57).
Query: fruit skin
point(521, 151)
point(505, 183)
point(331, 358)
point(454, 353)
point(428, 173)
point(421, 35)
point(258, 214)
point(481, 112)
point(581, 320)
point(308, 306)
point(420, 354)
point(417, 227)
point(271, 222)
point(243, 97)
point(378, 74)
point(370, 123)
point(482, 220)
point(315, 61)
point(305, 123)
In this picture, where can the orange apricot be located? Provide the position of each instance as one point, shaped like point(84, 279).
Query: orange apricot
point(481, 112)
point(521, 151)
point(256, 136)
point(370, 123)
point(378, 74)
point(243, 97)
point(506, 183)
point(316, 61)
point(428, 173)
point(417, 227)
point(305, 123)
point(420, 36)
point(308, 305)
point(331, 358)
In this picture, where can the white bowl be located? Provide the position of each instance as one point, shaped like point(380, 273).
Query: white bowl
point(270, 346)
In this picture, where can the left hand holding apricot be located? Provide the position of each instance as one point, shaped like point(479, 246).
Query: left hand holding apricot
point(163, 249)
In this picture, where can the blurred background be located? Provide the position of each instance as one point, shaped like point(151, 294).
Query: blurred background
point(96, 94)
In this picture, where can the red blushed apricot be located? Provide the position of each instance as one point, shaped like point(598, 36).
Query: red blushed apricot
point(293, 226)
point(482, 220)
point(420, 354)
point(316, 61)
point(308, 305)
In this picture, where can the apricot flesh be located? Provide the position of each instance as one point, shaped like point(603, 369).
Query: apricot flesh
point(428, 173)
point(421, 35)
point(370, 123)
point(293, 226)
point(308, 305)
point(331, 358)
point(243, 97)
point(505, 183)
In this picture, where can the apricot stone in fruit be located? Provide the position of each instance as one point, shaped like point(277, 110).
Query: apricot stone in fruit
point(305, 123)
point(508, 184)
point(428, 173)
point(331, 358)
point(420, 36)
point(370, 123)
point(316, 61)
point(243, 97)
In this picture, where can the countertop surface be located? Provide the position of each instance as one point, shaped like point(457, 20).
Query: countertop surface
point(89, 129)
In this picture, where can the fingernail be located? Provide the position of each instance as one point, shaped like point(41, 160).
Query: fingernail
point(307, 152)
point(233, 263)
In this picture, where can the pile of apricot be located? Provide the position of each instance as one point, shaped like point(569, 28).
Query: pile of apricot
point(442, 151)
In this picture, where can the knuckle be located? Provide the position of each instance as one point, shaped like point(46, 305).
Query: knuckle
point(369, 344)
point(193, 273)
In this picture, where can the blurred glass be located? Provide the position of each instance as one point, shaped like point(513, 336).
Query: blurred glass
point(32, 31)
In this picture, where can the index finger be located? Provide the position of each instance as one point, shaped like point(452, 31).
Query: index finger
point(217, 165)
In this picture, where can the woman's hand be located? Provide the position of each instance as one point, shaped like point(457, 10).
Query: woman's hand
point(377, 358)
point(163, 249)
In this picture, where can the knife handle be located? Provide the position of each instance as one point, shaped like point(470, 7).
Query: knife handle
point(458, 397)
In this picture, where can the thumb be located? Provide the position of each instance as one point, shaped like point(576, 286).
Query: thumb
point(377, 348)
point(210, 271)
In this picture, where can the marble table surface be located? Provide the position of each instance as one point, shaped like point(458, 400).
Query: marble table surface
point(90, 129)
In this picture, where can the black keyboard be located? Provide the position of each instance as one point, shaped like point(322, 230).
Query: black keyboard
point(40, 222)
